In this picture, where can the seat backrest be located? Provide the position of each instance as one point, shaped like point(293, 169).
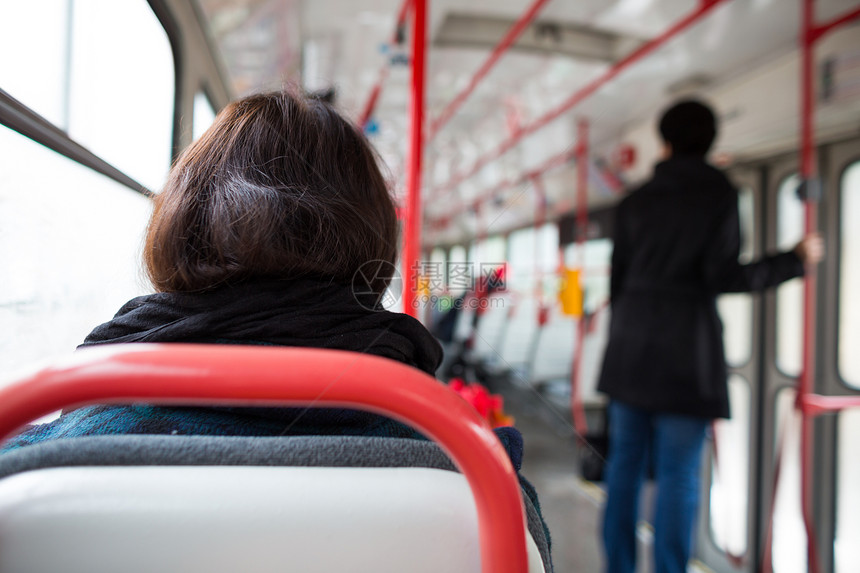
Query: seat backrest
point(520, 332)
point(554, 354)
point(491, 328)
point(197, 374)
point(200, 503)
point(228, 519)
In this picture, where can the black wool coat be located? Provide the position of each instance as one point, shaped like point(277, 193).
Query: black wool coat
point(677, 240)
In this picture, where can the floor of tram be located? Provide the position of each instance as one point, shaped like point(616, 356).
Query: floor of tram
point(571, 505)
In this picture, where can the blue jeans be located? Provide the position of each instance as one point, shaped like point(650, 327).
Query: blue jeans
point(676, 442)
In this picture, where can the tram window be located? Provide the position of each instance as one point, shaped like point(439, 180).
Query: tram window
point(789, 535)
point(436, 271)
point(729, 503)
point(521, 261)
point(789, 296)
point(849, 277)
point(457, 263)
point(70, 243)
point(547, 258)
point(34, 42)
point(490, 251)
point(595, 260)
point(845, 548)
point(736, 309)
point(122, 87)
point(204, 115)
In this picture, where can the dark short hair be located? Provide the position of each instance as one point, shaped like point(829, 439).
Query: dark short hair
point(280, 186)
point(689, 126)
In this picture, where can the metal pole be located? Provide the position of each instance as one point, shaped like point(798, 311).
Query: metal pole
point(577, 97)
point(577, 409)
point(808, 174)
point(412, 231)
point(513, 33)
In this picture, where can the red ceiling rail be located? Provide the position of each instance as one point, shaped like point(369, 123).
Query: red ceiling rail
point(376, 91)
point(412, 226)
point(531, 175)
point(503, 46)
point(186, 374)
point(704, 7)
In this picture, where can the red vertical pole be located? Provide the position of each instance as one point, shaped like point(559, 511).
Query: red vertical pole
point(808, 174)
point(412, 234)
point(576, 407)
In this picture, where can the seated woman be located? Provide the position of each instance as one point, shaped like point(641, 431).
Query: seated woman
point(275, 227)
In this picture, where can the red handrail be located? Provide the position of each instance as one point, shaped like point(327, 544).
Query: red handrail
point(503, 46)
point(183, 374)
point(376, 90)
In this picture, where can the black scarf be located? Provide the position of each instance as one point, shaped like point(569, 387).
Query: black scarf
point(303, 312)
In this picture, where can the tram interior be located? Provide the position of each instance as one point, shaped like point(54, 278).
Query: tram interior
point(134, 82)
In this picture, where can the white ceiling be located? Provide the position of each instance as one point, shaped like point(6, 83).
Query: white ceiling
point(345, 43)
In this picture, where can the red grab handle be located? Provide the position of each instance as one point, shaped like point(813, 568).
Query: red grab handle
point(185, 374)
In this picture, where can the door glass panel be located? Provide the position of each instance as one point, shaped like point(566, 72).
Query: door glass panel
point(736, 309)
point(789, 295)
point(789, 534)
point(849, 277)
point(70, 244)
point(730, 472)
point(845, 546)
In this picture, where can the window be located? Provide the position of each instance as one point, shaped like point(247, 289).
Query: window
point(436, 271)
point(849, 276)
point(596, 260)
point(789, 295)
point(729, 513)
point(122, 87)
point(102, 71)
point(70, 251)
point(457, 264)
point(36, 36)
point(789, 534)
point(736, 309)
point(845, 547)
point(521, 261)
point(204, 115)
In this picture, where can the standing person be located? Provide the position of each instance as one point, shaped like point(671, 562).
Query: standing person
point(677, 240)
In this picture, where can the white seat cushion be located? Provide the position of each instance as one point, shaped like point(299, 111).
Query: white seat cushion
point(249, 519)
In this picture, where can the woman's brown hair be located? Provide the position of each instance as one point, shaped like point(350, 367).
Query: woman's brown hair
point(279, 186)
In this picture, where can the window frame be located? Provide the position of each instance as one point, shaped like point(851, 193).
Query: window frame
point(837, 256)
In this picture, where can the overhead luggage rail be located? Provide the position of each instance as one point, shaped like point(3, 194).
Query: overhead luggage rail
point(184, 374)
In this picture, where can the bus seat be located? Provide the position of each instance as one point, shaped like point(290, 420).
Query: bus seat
point(199, 503)
point(554, 355)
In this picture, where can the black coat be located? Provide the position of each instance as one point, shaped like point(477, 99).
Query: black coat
point(677, 240)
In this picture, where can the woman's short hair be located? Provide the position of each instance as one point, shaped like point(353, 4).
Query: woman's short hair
point(689, 126)
point(279, 186)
